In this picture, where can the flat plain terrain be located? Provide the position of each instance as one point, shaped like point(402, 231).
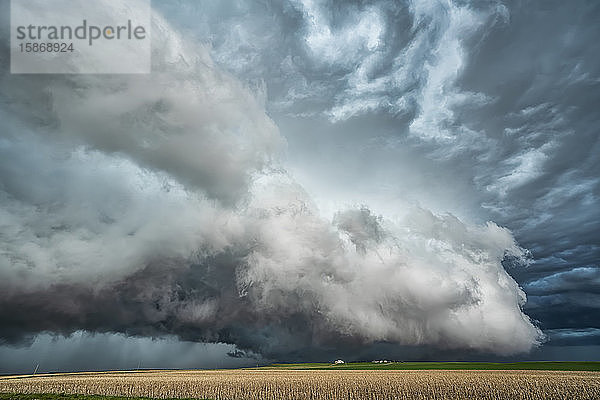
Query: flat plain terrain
point(276, 384)
point(59, 396)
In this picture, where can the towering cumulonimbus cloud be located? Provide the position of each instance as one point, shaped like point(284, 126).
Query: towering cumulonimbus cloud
point(155, 204)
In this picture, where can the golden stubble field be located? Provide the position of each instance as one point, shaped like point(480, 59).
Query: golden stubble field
point(300, 385)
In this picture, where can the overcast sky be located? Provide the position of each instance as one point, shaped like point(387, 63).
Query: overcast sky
point(309, 180)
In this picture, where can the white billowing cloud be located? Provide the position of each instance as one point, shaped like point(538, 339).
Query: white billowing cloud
point(183, 118)
point(427, 279)
point(85, 217)
point(139, 182)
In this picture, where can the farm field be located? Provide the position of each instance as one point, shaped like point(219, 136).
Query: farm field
point(290, 384)
point(62, 396)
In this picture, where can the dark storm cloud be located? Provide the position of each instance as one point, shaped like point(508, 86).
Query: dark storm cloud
point(567, 299)
point(579, 337)
point(582, 279)
point(88, 352)
point(157, 205)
